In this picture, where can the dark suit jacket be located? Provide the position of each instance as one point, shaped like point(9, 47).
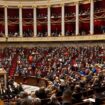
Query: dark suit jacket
point(66, 104)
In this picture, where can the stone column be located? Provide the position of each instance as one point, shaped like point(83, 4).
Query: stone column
point(77, 19)
point(63, 20)
point(49, 20)
point(20, 22)
point(6, 21)
point(35, 21)
point(92, 17)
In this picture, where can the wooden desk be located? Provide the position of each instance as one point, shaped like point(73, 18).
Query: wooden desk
point(1, 102)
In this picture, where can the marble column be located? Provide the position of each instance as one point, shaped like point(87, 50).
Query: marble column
point(77, 19)
point(92, 17)
point(6, 21)
point(63, 20)
point(49, 21)
point(20, 22)
point(35, 21)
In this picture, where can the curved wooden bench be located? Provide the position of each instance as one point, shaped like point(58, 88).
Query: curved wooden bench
point(33, 81)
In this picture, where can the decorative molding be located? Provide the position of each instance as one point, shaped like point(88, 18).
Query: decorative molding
point(48, 5)
point(20, 6)
point(43, 6)
point(34, 6)
point(100, 37)
point(5, 6)
point(57, 5)
point(21, 3)
point(63, 4)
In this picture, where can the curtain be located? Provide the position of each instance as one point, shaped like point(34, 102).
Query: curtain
point(56, 10)
point(99, 4)
point(42, 11)
point(42, 28)
point(69, 9)
point(84, 7)
point(1, 28)
point(13, 28)
point(99, 22)
point(27, 13)
point(85, 26)
point(13, 12)
point(1, 12)
point(98, 25)
point(56, 27)
point(26, 27)
point(70, 27)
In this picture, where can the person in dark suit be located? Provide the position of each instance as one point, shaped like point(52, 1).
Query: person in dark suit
point(67, 97)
